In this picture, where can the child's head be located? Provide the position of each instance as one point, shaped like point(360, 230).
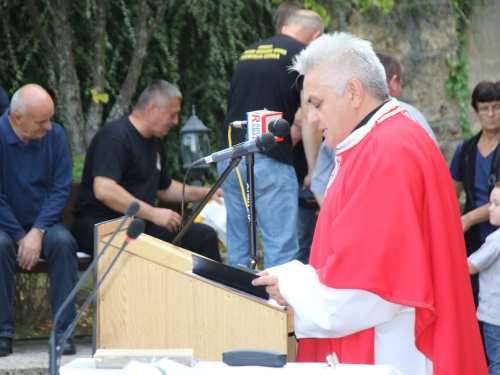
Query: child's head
point(494, 208)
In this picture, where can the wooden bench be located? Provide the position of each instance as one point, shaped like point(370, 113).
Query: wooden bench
point(84, 260)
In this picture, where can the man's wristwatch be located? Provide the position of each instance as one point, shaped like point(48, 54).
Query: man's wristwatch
point(42, 230)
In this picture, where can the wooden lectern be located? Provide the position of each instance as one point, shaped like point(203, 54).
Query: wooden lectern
point(150, 300)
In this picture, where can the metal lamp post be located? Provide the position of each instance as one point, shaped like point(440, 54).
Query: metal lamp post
point(195, 144)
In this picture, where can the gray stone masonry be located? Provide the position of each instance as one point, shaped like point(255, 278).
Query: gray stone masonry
point(421, 35)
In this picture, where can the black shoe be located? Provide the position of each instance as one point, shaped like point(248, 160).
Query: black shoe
point(69, 347)
point(5, 346)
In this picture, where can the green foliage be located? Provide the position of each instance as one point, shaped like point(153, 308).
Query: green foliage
point(78, 163)
point(364, 5)
point(456, 85)
point(457, 90)
point(32, 308)
point(202, 41)
point(320, 9)
point(196, 47)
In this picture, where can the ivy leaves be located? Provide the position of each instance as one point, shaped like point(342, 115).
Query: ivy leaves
point(385, 5)
point(456, 86)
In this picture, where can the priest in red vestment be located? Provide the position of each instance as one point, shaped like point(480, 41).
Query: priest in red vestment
point(387, 282)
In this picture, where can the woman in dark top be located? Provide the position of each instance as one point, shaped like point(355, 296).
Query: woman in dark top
point(475, 168)
point(476, 165)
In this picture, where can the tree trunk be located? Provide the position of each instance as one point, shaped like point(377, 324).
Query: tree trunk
point(61, 57)
point(94, 118)
point(79, 131)
point(142, 37)
point(68, 80)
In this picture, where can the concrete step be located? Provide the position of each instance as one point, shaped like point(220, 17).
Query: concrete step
point(31, 357)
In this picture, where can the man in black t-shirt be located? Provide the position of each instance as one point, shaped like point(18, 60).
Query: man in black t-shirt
point(306, 141)
point(262, 80)
point(126, 162)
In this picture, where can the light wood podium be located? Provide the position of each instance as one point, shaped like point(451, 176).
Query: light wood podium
point(150, 300)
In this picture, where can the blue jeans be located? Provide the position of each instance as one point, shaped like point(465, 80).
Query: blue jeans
point(306, 223)
point(492, 345)
point(276, 205)
point(59, 251)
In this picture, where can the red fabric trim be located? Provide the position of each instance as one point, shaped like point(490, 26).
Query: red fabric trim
point(353, 349)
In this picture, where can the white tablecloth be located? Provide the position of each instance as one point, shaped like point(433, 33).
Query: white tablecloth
point(85, 366)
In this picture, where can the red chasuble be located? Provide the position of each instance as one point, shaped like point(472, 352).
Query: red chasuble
point(390, 225)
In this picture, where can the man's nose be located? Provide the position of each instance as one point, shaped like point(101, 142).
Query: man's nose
point(312, 118)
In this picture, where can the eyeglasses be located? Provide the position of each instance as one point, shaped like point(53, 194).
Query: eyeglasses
point(495, 108)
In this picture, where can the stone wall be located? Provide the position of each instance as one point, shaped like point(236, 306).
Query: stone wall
point(483, 48)
point(421, 36)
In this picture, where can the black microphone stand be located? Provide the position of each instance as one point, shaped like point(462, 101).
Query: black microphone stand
point(252, 222)
point(232, 164)
point(250, 161)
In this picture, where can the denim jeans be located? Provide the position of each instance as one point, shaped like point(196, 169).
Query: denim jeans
point(306, 223)
point(59, 251)
point(276, 206)
point(492, 344)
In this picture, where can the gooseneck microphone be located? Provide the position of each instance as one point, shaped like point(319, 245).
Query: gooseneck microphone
point(131, 210)
point(263, 142)
point(134, 230)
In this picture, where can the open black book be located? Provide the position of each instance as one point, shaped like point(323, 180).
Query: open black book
point(233, 277)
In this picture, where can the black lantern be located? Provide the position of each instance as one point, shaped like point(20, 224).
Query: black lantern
point(195, 145)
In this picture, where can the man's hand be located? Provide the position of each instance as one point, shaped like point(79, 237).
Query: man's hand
point(272, 287)
point(307, 180)
point(166, 218)
point(295, 134)
point(217, 196)
point(30, 248)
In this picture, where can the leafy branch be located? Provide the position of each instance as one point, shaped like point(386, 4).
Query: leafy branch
point(385, 5)
point(456, 85)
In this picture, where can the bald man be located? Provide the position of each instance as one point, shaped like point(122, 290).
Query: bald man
point(35, 176)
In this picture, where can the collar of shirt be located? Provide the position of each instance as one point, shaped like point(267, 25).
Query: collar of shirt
point(11, 136)
point(368, 117)
point(379, 114)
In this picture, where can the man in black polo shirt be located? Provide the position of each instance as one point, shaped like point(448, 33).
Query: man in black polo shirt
point(262, 80)
point(126, 162)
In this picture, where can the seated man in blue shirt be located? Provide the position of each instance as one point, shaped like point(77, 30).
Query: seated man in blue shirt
point(35, 176)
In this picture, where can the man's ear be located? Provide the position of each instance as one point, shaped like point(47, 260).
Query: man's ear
point(356, 92)
point(393, 86)
point(16, 116)
point(151, 107)
point(314, 36)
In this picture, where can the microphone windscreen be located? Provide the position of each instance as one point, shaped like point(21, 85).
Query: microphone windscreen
point(135, 228)
point(280, 128)
point(267, 141)
point(132, 209)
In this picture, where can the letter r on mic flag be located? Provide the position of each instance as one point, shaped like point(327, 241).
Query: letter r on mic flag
point(258, 122)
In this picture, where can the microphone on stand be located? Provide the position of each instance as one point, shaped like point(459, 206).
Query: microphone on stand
point(280, 128)
point(263, 142)
point(131, 210)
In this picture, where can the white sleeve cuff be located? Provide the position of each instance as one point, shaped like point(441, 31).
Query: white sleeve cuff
point(324, 312)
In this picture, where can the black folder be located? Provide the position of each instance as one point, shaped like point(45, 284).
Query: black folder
point(236, 278)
